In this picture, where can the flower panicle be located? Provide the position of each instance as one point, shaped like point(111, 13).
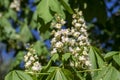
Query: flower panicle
point(32, 61)
point(72, 40)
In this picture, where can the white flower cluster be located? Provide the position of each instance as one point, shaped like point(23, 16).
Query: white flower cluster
point(73, 40)
point(31, 61)
point(16, 5)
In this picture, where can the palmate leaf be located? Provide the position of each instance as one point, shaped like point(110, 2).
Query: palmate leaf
point(116, 58)
point(109, 55)
point(55, 57)
point(40, 48)
point(67, 7)
point(60, 74)
point(113, 56)
point(45, 7)
point(66, 56)
point(96, 59)
point(17, 75)
point(43, 11)
point(108, 73)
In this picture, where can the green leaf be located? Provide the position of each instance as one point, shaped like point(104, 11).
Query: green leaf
point(45, 7)
point(67, 74)
point(55, 57)
point(92, 58)
point(66, 6)
point(109, 55)
point(108, 73)
point(51, 69)
point(43, 11)
point(116, 58)
point(17, 59)
point(17, 75)
point(60, 74)
point(10, 14)
point(66, 56)
point(96, 58)
point(40, 48)
point(45, 69)
point(100, 58)
point(51, 76)
point(33, 22)
point(25, 33)
point(46, 34)
point(112, 74)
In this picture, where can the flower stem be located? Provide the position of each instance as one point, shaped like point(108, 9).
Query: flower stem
point(90, 70)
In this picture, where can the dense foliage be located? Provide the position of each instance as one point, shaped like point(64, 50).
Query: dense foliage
point(50, 37)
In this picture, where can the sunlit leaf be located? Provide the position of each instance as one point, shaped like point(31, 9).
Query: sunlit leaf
point(66, 6)
point(17, 75)
point(46, 6)
point(66, 56)
point(60, 74)
point(109, 55)
point(116, 58)
point(55, 57)
point(108, 73)
point(40, 48)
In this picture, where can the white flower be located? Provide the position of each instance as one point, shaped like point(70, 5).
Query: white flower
point(76, 34)
point(71, 49)
point(26, 58)
point(58, 25)
point(28, 64)
point(74, 16)
point(78, 49)
point(59, 45)
point(81, 20)
point(65, 39)
point(83, 30)
point(53, 40)
point(72, 30)
point(58, 34)
point(84, 52)
point(76, 54)
point(81, 37)
point(32, 58)
point(36, 66)
point(77, 24)
point(62, 21)
point(15, 4)
point(65, 32)
point(74, 21)
point(71, 64)
point(29, 54)
point(81, 43)
point(54, 51)
point(80, 13)
point(87, 63)
point(82, 58)
point(72, 42)
point(36, 57)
